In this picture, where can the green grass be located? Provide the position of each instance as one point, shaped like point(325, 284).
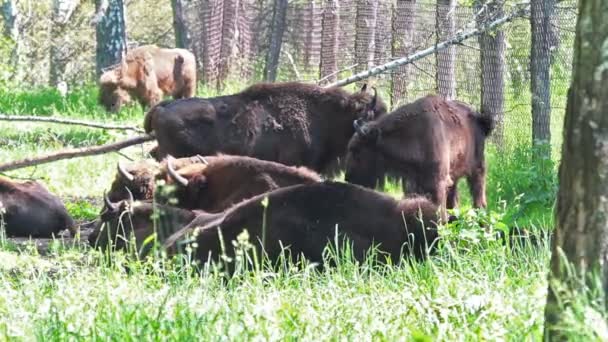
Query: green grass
point(475, 288)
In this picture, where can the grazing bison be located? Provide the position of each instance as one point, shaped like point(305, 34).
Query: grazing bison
point(431, 143)
point(293, 123)
point(306, 217)
point(146, 74)
point(128, 218)
point(226, 180)
point(29, 209)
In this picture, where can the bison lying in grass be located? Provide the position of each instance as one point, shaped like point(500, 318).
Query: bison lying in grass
point(305, 218)
point(29, 209)
point(226, 180)
point(294, 124)
point(146, 74)
point(431, 143)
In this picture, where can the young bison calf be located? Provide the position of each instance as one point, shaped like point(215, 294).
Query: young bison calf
point(225, 180)
point(29, 209)
point(305, 218)
point(430, 143)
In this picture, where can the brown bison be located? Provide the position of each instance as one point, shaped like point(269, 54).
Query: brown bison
point(430, 143)
point(140, 177)
point(226, 180)
point(126, 219)
point(147, 73)
point(293, 123)
point(306, 218)
point(29, 209)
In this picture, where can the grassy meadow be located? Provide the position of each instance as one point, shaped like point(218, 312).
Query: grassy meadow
point(477, 287)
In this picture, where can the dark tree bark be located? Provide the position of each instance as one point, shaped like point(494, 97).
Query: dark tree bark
point(329, 47)
point(404, 19)
point(182, 36)
point(311, 40)
point(541, 12)
point(229, 40)
point(365, 33)
point(59, 53)
point(276, 40)
point(446, 59)
point(580, 240)
point(492, 56)
point(111, 33)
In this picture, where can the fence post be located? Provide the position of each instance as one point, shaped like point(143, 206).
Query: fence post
point(492, 55)
point(541, 12)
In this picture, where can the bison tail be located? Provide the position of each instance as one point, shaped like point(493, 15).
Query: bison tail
point(486, 122)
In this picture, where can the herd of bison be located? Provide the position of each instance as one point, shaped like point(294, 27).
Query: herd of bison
point(259, 159)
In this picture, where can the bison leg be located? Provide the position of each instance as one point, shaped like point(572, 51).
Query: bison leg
point(435, 184)
point(477, 185)
point(452, 200)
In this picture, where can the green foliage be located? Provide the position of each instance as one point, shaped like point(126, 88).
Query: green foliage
point(82, 210)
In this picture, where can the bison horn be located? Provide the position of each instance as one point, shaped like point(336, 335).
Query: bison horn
point(374, 99)
point(124, 172)
point(202, 159)
point(173, 174)
point(111, 206)
point(359, 128)
point(131, 198)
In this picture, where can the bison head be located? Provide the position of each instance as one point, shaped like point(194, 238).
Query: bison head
point(136, 179)
point(116, 224)
point(190, 183)
point(368, 106)
point(362, 161)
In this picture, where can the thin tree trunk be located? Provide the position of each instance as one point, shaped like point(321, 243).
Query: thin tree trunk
point(59, 54)
point(541, 12)
point(365, 34)
point(580, 241)
point(404, 19)
point(446, 59)
point(311, 41)
point(110, 32)
point(329, 41)
point(182, 36)
point(276, 40)
point(492, 55)
point(210, 39)
point(229, 40)
point(12, 22)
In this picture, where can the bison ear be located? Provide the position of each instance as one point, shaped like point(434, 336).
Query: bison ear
point(108, 77)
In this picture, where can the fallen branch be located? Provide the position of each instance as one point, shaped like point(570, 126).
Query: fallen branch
point(5, 117)
point(74, 153)
point(457, 39)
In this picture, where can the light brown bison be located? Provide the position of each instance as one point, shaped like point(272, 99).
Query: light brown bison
point(430, 143)
point(225, 180)
point(147, 73)
point(305, 218)
point(29, 209)
point(295, 124)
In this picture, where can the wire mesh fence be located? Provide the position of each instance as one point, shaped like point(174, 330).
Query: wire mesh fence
point(331, 39)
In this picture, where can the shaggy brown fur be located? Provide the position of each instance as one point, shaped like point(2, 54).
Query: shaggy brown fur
point(227, 180)
point(305, 218)
point(146, 74)
point(29, 209)
point(291, 123)
point(430, 143)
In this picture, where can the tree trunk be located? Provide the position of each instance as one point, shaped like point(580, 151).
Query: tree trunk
point(229, 40)
point(182, 36)
point(404, 18)
point(541, 12)
point(580, 240)
point(110, 32)
point(492, 55)
point(311, 41)
point(59, 53)
point(210, 37)
point(329, 41)
point(365, 33)
point(12, 22)
point(446, 59)
point(276, 40)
